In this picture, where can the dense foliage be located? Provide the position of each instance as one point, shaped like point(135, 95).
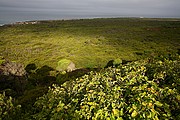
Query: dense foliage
point(146, 89)
point(7, 109)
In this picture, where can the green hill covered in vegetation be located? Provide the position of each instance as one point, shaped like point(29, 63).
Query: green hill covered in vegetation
point(120, 68)
point(88, 42)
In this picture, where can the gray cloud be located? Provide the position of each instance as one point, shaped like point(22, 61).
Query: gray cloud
point(157, 8)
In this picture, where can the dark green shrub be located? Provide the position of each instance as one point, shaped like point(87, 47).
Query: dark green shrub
point(39, 76)
point(61, 78)
point(30, 67)
point(114, 63)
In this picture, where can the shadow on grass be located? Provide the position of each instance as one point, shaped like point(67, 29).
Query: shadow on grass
point(46, 76)
point(61, 78)
point(39, 76)
point(12, 85)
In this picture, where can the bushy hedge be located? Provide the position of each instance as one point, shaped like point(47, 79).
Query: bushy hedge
point(147, 89)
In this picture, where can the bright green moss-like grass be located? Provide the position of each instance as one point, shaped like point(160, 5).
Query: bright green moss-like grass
point(63, 64)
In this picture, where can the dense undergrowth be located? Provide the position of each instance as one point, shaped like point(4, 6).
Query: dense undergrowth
point(144, 89)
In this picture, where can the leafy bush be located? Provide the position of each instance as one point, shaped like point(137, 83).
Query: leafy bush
point(7, 108)
point(39, 76)
point(145, 89)
point(114, 63)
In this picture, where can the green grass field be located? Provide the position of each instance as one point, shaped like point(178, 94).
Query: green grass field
point(89, 42)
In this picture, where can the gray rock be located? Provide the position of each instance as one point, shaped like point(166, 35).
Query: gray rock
point(71, 67)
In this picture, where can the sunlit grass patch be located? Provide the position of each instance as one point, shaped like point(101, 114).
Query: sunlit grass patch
point(88, 43)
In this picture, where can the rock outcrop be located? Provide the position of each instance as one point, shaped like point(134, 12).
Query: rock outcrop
point(71, 67)
point(12, 76)
point(12, 68)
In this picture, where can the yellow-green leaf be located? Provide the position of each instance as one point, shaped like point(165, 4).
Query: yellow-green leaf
point(120, 118)
point(159, 104)
point(134, 113)
point(115, 112)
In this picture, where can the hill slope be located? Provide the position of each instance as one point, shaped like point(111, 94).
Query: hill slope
point(89, 42)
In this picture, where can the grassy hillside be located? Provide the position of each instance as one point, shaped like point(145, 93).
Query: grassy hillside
point(89, 42)
point(147, 88)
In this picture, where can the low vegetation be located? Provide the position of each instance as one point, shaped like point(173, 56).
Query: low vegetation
point(89, 43)
point(126, 68)
point(144, 89)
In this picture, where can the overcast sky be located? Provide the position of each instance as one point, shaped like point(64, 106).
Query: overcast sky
point(130, 8)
